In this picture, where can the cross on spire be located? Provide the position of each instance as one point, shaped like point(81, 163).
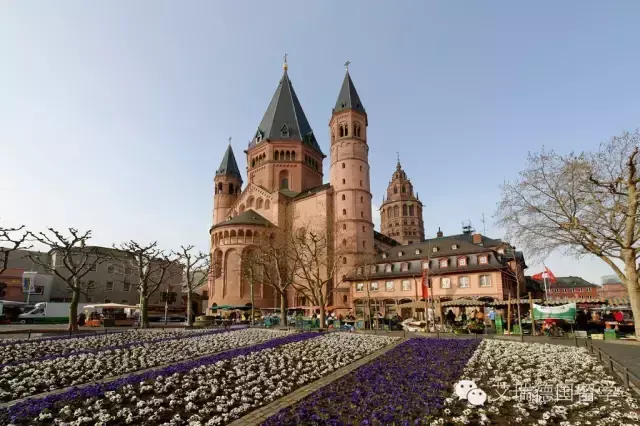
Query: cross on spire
point(346, 65)
point(285, 66)
point(229, 140)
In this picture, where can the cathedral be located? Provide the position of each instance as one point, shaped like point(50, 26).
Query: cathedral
point(285, 179)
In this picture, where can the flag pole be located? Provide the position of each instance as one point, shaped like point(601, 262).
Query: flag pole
point(545, 275)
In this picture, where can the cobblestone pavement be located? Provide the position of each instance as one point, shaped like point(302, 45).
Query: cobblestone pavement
point(263, 413)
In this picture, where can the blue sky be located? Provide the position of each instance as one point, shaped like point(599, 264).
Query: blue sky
point(114, 115)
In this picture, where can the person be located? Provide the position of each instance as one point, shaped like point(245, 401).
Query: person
point(450, 317)
point(581, 320)
point(479, 316)
point(82, 319)
point(232, 317)
point(464, 316)
point(548, 325)
point(492, 318)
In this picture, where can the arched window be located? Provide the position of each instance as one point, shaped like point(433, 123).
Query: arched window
point(356, 130)
point(230, 188)
point(344, 197)
point(217, 265)
point(233, 233)
point(333, 136)
point(284, 179)
point(344, 260)
point(396, 211)
point(346, 130)
point(276, 156)
point(344, 242)
point(241, 233)
point(259, 203)
point(293, 156)
point(249, 233)
point(344, 212)
point(389, 213)
point(404, 189)
point(284, 131)
point(395, 189)
point(219, 186)
point(404, 210)
point(288, 156)
point(410, 210)
point(241, 208)
point(282, 155)
point(343, 165)
point(267, 205)
point(250, 203)
point(361, 214)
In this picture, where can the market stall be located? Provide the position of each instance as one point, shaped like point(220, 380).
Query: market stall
point(109, 315)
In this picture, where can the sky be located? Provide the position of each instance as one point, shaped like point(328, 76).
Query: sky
point(115, 115)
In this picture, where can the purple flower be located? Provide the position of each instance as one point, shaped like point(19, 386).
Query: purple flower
point(407, 384)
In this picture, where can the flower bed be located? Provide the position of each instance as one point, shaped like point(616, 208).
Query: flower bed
point(13, 352)
point(26, 379)
point(210, 391)
point(541, 384)
point(407, 384)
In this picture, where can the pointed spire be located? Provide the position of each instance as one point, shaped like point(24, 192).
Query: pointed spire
point(348, 97)
point(285, 118)
point(398, 166)
point(228, 166)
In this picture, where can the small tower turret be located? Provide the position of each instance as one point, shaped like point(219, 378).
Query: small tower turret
point(227, 186)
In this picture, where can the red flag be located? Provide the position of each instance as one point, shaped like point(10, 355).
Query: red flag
point(550, 276)
point(538, 277)
point(425, 286)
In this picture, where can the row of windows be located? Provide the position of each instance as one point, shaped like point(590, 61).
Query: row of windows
point(260, 203)
point(344, 166)
point(312, 162)
point(572, 290)
point(343, 130)
point(405, 233)
point(344, 197)
point(404, 222)
point(463, 282)
point(233, 190)
point(445, 283)
point(395, 211)
point(405, 189)
point(110, 286)
point(443, 263)
point(344, 213)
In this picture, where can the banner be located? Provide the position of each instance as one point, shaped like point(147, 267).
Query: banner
point(425, 286)
point(564, 312)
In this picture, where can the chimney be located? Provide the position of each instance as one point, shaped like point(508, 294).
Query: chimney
point(439, 234)
point(477, 239)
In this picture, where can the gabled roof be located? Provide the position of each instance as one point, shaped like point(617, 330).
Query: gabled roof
point(285, 119)
point(464, 243)
point(348, 97)
point(228, 166)
point(249, 217)
point(563, 282)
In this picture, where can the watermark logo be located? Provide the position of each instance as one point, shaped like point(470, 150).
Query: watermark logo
point(556, 392)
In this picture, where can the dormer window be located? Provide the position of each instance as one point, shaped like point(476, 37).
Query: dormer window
point(454, 247)
point(501, 250)
point(388, 268)
point(374, 269)
point(462, 261)
point(444, 263)
point(284, 131)
point(404, 266)
point(425, 265)
point(483, 260)
point(258, 136)
point(400, 254)
point(384, 255)
point(417, 251)
point(435, 249)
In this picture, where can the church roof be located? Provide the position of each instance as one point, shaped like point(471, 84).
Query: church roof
point(348, 97)
point(285, 118)
point(249, 217)
point(228, 166)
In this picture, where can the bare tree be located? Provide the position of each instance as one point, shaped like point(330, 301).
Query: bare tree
point(196, 268)
point(11, 239)
point(78, 260)
point(276, 263)
point(251, 270)
point(317, 261)
point(154, 268)
point(584, 203)
point(364, 270)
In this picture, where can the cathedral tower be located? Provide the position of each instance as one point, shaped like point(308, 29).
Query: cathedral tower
point(227, 186)
point(401, 211)
point(284, 153)
point(349, 176)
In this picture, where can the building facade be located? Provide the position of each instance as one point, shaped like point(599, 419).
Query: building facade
point(285, 190)
point(612, 288)
point(573, 287)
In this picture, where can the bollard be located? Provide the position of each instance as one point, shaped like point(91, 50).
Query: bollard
point(626, 377)
point(29, 335)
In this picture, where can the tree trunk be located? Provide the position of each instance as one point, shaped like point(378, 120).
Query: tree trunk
point(144, 314)
point(73, 310)
point(322, 314)
point(283, 309)
point(252, 301)
point(189, 308)
point(633, 289)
